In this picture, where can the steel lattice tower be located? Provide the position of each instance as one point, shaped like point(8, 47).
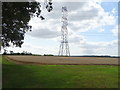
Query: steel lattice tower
point(64, 46)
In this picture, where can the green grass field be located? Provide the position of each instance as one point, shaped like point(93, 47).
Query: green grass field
point(59, 76)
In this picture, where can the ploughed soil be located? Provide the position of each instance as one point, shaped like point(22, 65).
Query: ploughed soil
point(56, 60)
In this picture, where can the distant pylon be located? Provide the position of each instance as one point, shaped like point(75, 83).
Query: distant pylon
point(64, 46)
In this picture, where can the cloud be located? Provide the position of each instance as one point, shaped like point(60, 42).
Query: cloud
point(101, 30)
point(43, 33)
point(110, 48)
point(76, 39)
point(81, 0)
point(82, 17)
point(44, 29)
point(113, 11)
point(35, 49)
point(91, 16)
point(115, 31)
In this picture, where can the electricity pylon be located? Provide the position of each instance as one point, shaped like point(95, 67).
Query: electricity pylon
point(64, 46)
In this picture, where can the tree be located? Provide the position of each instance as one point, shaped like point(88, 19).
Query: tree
point(5, 52)
point(15, 18)
point(11, 52)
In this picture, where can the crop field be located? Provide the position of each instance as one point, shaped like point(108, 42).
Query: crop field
point(17, 74)
point(55, 60)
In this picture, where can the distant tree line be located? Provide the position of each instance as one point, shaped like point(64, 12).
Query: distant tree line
point(12, 53)
point(43, 55)
point(97, 56)
point(48, 55)
point(24, 53)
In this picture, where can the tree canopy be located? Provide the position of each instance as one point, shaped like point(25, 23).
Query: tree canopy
point(15, 19)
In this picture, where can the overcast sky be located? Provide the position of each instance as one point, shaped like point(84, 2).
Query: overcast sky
point(92, 27)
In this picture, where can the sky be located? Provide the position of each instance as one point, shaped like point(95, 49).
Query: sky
point(92, 27)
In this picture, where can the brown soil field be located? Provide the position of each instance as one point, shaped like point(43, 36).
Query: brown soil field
point(55, 60)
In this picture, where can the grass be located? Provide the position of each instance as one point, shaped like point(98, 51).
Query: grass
point(59, 76)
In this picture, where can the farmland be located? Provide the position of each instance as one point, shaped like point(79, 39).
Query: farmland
point(55, 60)
point(27, 75)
